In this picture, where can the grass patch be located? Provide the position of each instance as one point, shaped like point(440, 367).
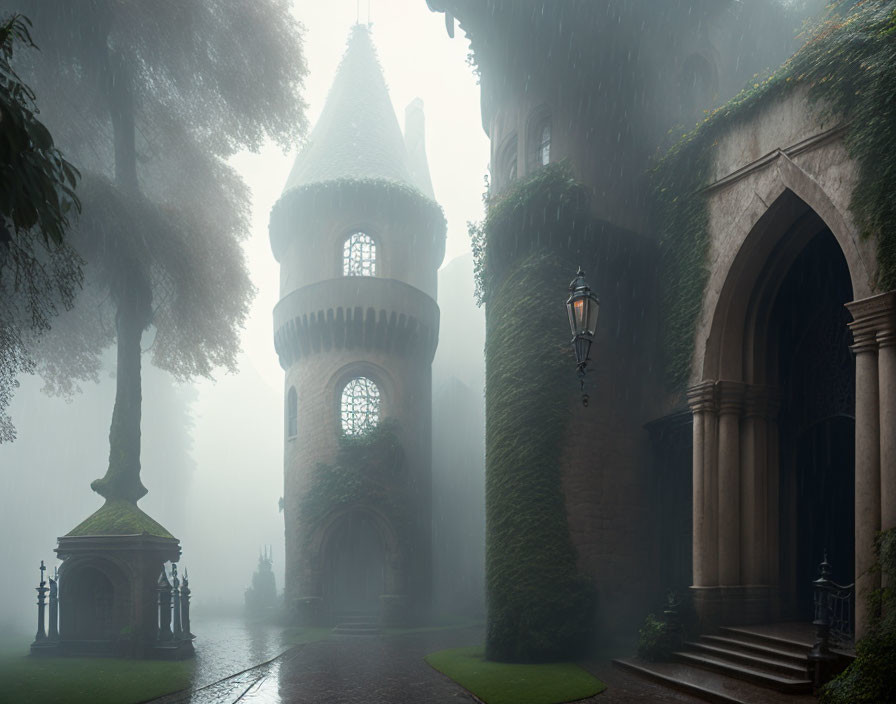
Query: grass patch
point(88, 680)
point(510, 683)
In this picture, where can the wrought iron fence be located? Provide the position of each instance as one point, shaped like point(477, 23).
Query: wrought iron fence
point(835, 606)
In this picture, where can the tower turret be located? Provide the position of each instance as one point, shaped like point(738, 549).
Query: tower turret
point(359, 240)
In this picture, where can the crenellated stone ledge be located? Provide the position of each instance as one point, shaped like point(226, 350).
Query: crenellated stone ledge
point(356, 313)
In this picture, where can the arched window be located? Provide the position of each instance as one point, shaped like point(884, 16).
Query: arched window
point(543, 148)
point(538, 140)
point(506, 168)
point(292, 413)
point(360, 407)
point(359, 255)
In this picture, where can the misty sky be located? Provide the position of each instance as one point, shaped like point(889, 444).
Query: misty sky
point(419, 60)
point(226, 508)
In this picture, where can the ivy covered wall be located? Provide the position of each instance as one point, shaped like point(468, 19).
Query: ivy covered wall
point(368, 470)
point(539, 606)
point(848, 65)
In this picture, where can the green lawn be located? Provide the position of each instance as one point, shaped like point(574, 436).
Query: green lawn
point(506, 683)
point(87, 680)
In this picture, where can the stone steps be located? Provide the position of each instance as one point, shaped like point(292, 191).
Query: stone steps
point(762, 676)
point(739, 664)
point(735, 653)
point(357, 624)
point(771, 661)
point(797, 658)
point(708, 685)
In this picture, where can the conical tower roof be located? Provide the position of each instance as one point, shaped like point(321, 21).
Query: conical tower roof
point(357, 136)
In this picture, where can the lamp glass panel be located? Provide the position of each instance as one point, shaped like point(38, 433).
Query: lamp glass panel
point(593, 309)
point(572, 319)
point(579, 306)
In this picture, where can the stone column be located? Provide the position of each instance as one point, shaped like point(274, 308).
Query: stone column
point(53, 631)
point(773, 513)
point(886, 360)
point(164, 590)
point(701, 399)
point(870, 316)
point(731, 402)
point(754, 487)
point(886, 372)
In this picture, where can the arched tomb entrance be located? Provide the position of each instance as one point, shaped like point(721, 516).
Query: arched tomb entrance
point(774, 424)
point(90, 599)
point(355, 568)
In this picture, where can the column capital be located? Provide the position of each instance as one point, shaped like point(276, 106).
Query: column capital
point(873, 321)
point(702, 397)
point(731, 396)
point(886, 338)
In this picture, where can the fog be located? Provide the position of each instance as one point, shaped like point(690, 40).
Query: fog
point(212, 451)
point(672, 438)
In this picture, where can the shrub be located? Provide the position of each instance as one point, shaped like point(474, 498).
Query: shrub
point(871, 678)
point(656, 641)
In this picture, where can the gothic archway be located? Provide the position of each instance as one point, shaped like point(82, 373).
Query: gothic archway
point(93, 597)
point(756, 424)
point(357, 562)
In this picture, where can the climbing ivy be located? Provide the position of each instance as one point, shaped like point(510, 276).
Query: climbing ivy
point(848, 64)
point(548, 209)
point(313, 206)
point(368, 469)
point(539, 606)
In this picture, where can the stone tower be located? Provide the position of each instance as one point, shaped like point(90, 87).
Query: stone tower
point(359, 239)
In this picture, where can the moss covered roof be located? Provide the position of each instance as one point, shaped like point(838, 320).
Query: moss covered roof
point(119, 517)
point(357, 135)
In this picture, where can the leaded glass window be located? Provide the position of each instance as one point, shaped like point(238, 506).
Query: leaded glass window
point(360, 406)
point(544, 145)
point(359, 255)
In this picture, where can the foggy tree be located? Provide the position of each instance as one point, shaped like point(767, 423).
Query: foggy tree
point(38, 270)
point(149, 97)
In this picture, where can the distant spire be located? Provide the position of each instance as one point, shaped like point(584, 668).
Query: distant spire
point(357, 135)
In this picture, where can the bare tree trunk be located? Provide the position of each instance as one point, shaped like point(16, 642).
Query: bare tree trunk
point(122, 480)
point(132, 294)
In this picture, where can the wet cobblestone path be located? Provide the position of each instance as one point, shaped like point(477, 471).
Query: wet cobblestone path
point(258, 668)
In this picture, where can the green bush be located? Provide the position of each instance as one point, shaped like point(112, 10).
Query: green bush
point(871, 678)
point(656, 641)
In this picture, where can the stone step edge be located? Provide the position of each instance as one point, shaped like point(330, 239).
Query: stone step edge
point(798, 658)
point(704, 693)
point(750, 659)
point(744, 633)
point(748, 674)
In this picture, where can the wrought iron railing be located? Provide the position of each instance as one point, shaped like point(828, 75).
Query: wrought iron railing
point(835, 607)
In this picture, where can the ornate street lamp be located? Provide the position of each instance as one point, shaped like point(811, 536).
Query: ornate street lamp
point(582, 308)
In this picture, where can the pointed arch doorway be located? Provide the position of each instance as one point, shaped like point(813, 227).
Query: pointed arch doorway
point(774, 424)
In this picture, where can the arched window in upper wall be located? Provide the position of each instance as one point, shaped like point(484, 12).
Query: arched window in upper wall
point(292, 413)
point(507, 163)
point(359, 255)
point(360, 406)
point(543, 143)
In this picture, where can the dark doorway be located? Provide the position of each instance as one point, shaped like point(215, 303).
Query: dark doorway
point(817, 423)
point(89, 612)
point(356, 568)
